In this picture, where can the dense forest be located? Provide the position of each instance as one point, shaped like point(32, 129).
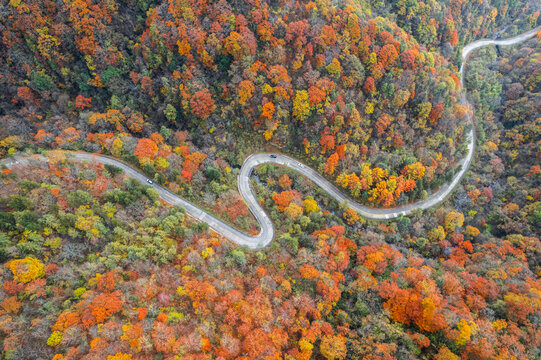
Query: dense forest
point(371, 104)
point(97, 266)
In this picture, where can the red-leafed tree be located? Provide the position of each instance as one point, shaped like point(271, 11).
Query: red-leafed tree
point(81, 102)
point(407, 58)
point(435, 113)
point(326, 141)
point(369, 85)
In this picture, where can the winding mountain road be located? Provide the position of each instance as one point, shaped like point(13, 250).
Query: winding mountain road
point(266, 234)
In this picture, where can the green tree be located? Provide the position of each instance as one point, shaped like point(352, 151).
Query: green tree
point(78, 198)
point(20, 203)
point(170, 112)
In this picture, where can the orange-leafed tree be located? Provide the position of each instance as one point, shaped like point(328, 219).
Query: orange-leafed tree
point(327, 36)
point(234, 45)
point(200, 292)
point(107, 282)
point(330, 166)
point(278, 74)
point(146, 148)
point(341, 151)
point(256, 343)
point(267, 110)
point(307, 271)
point(11, 305)
point(383, 122)
point(120, 356)
point(411, 306)
point(163, 338)
point(459, 110)
point(202, 104)
point(191, 163)
point(42, 136)
point(135, 122)
point(435, 113)
point(285, 182)
point(245, 91)
point(326, 141)
point(387, 55)
point(25, 93)
point(101, 308)
point(315, 95)
point(283, 199)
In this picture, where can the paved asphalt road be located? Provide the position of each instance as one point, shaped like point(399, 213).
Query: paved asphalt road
point(266, 234)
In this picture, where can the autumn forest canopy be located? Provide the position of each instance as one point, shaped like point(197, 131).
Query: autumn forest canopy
point(367, 92)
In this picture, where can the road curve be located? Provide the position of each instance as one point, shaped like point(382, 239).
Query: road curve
point(266, 234)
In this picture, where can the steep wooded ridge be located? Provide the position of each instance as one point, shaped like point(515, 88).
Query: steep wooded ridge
point(359, 92)
point(267, 232)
